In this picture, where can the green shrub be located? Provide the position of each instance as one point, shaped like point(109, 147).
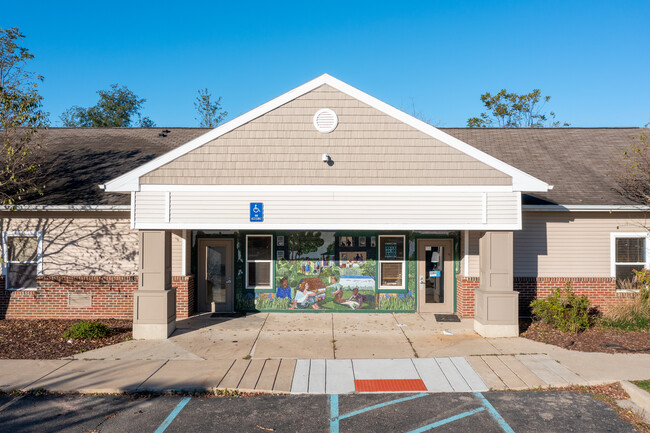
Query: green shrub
point(564, 310)
point(87, 330)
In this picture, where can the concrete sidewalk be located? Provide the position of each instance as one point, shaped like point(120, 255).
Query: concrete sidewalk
point(316, 352)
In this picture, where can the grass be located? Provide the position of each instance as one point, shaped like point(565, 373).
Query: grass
point(643, 384)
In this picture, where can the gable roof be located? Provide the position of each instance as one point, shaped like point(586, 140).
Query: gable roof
point(521, 181)
point(579, 162)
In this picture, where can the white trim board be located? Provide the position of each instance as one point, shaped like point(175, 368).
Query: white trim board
point(584, 208)
point(326, 188)
point(260, 226)
point(521, 181)
point(71, 207)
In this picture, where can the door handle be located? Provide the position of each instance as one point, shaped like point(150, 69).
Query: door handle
point(228, 281)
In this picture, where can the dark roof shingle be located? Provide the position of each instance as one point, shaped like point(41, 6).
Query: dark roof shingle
point(578, 162)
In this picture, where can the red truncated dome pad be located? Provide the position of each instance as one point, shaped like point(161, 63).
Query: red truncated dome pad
point(389, 385)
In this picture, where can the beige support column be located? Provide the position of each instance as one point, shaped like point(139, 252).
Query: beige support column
point(497, 304)
point(154, 303)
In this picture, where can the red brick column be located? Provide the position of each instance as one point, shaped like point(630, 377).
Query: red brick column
point(185, 303)
point(465, 287)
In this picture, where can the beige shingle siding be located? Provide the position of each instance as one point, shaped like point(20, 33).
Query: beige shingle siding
point(368, 148)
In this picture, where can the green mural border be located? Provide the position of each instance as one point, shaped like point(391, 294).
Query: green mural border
point(239, 244)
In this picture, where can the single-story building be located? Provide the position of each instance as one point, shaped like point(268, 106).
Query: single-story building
point(322, 199)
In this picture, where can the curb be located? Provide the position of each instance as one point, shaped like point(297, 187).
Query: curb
point(638, 396)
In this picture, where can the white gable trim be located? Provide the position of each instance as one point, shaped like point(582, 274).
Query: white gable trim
point(520, 181)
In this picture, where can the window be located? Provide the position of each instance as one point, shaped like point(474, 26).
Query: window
point(259, 251)
point(629, 252)
point(22, 253)
point(391, 261)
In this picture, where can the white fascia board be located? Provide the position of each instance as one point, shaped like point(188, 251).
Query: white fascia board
point(584, 208)
point(325, 226)
point(325, 188)
point(75, 207)
point(520, 181)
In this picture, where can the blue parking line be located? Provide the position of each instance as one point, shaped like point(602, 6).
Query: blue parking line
point(380, 405)
point(334, 409)
point(447, 420)
point(492, 411)
point(179, 407)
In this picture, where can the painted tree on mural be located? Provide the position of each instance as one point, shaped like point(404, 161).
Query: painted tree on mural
point(304, 243)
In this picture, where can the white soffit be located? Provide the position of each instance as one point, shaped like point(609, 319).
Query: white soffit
point(521, 181)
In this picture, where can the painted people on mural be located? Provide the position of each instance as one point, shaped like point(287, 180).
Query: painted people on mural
point(356, 300)
point(304, 298)
point(336, 290)
point(283, 291)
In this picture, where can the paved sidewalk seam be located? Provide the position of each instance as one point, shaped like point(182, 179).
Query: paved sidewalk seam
point(226, 373)
point(149, 377)
point(24, 388)
point(408, 340)
point(252, 352)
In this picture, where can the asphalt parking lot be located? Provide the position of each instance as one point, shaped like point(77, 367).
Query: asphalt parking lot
point(552, 411)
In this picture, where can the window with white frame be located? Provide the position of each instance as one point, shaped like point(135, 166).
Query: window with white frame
point(259, 260)
point(22, 253)
point(629, 253)
point(391, 261)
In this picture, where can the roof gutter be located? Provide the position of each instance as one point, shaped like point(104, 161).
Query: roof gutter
point(72, 207)
point(584, 208)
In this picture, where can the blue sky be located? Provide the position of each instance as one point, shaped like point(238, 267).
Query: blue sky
point(436, 57)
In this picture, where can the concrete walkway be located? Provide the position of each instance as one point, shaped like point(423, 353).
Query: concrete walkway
point(323, 353)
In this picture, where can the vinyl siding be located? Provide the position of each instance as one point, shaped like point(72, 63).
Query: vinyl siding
point(569, 244)
point(367, 148)
point(336, 208)
point(84, 243)
point(563, 244)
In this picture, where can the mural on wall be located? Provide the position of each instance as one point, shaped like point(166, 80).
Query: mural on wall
point(323, 271)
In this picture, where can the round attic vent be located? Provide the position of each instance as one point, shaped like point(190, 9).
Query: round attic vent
point(325, 120)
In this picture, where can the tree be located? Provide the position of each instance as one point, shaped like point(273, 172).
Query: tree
point(210, 112)
point(634, 179)
point(21, 117)
point(510, 110)
point(117, 107)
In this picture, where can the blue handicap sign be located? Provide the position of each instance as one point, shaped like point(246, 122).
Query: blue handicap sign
point(257, 212)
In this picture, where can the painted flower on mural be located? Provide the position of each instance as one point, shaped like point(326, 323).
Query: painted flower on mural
point(401, 295)
point(410, 293)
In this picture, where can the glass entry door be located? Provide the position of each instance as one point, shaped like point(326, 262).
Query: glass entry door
point(215, 279)
point(435, 276)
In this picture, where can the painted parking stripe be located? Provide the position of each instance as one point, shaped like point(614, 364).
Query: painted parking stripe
point(179, 407)
point(10, 402)
point(492, 411)
point(447, 420)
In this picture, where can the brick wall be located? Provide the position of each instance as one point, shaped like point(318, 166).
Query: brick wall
point(67, 297)
point(601, 291)
point(185, 305)
point(465, 287)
